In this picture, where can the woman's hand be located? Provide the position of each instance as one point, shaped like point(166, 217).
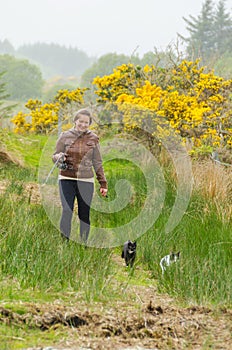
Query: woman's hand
point(103, 191)
point(60, 157)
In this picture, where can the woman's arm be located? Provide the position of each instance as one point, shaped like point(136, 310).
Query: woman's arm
point(97, 164)
point(60, 149)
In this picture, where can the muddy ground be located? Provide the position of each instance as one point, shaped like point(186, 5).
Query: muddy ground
point(150, 321)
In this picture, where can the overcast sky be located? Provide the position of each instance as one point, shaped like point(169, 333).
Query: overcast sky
point(98, 26)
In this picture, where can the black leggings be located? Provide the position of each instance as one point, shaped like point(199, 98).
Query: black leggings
point(83, 191)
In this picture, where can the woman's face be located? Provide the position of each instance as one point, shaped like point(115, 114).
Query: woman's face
point(82, 123)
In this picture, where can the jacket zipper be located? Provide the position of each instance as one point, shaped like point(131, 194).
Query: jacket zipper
point(80, 142)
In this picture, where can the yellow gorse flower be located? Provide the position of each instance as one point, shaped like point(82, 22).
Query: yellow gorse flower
point(43, 118)
point(195, 103)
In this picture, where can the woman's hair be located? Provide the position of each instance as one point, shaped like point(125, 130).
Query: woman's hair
point(83, 111)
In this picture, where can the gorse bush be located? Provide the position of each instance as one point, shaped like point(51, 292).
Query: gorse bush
point(196, 104)
point(149, 102)
point(44, 118)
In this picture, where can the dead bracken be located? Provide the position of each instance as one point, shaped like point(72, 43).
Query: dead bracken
point(152, 326)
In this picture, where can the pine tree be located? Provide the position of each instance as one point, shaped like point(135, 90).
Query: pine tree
point(200, 43)
point(6, 47)
point(222, 29)
point(210, 32)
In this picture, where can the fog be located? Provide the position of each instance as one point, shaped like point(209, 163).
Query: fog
point(98, 26)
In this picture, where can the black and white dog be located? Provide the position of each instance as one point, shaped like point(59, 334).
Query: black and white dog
point(129, 253)
point(169, 259)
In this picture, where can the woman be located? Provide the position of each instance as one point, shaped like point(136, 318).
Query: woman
point(77, 151)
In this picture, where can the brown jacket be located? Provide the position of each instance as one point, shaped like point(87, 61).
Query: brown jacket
point(82, 155)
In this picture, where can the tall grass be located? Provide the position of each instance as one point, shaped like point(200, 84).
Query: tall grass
point(132, 197)
point(32, 253)
point(204, 237)
point(213, 182)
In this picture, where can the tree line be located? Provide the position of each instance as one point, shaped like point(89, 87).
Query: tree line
point(210, 39)
point(52, 59)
